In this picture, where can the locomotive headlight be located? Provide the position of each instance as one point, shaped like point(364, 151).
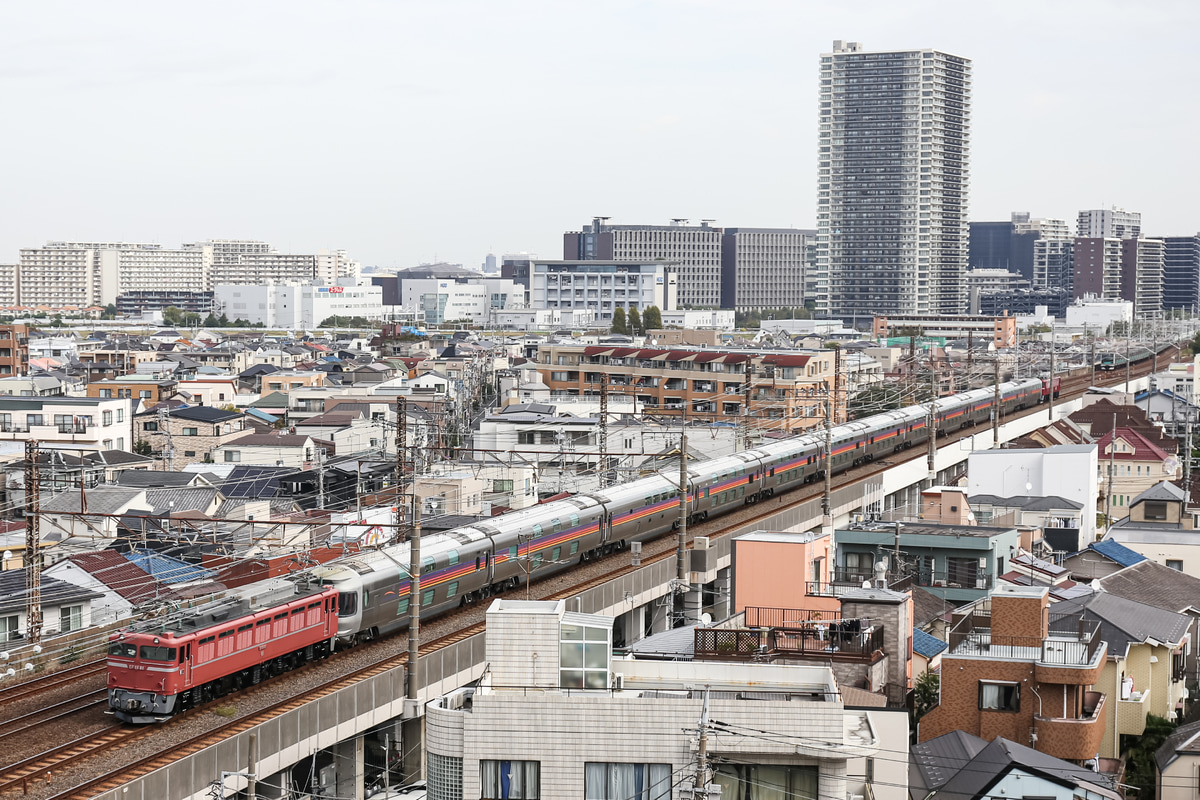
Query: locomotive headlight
point(156, 640)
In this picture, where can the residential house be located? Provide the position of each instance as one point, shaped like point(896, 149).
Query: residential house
point(1160, 527)
point(32, 386)
point(1055, 521)
point(294, 451)
point(210, 390)
point(67, 423)
point(1130, 464)
point(65, 607)
point(959, 563)
point(1016, 670)
point(1145, 669)
point(1100, 417)
point(350, 431)
point(189, 434)
point(1069, 472)
point(603, 727)
point(960, 766)
point(1177, 763)
point(14, 349)
point(927, 652)
point(148, 389)
point(122, 587)
point(1174, 412)
point(1100, 559)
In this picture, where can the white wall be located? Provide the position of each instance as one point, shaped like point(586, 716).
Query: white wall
point(1069, 471)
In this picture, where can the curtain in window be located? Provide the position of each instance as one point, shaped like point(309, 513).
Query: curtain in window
point(766, 782)
point(627, 781)
point(991, 695)
point(509, 780)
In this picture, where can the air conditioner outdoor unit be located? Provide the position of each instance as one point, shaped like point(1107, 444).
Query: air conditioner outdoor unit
point(939, 581)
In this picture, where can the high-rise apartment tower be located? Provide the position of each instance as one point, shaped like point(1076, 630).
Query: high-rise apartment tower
point(893, 175)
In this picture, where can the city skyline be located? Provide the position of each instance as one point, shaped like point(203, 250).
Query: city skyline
point(392, 131)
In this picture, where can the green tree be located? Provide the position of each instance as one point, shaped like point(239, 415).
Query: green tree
point(109, 312)
point(142, 447)
point(211, 321)
point(652, 319)
point(635, 322)
point(926, 694)
point(223, 320)
point(1140, 767)
point(57, 321)
point(619, 325)
point(172, 316)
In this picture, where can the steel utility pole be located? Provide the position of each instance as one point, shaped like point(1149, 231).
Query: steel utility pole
point(414, 603)
point(401, 455)
point(996, 404)
point(1050, 388)
point(827, 496)
point(681, 570)
point(33, 541)
point(931, 446)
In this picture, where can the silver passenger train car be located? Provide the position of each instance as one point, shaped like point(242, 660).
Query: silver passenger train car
point(471, 563)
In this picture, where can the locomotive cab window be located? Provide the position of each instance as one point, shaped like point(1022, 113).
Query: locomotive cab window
point(122, 650)
point(158, 653)
point(347, 605)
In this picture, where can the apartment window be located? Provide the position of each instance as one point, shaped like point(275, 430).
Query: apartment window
point(120, 415)
point(144, 394)
point(106, 394)
point(583, 657)
point(70, 618)
point(500, 485)
point(962, 571)
point(501, 780)
point(771, 781)
point(188, 453)
point(34, 419)
point(106, 418)
point(627, 781)
point(998, 696)
point(232, 456)
point(8, 628)
point(274, 385)
point(1175, 563)
point(191, 431)
point(1155, 509)
point(150, 426)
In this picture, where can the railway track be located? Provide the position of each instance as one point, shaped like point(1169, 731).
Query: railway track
point(10, 729)
point(52, 681)
point(117, 736)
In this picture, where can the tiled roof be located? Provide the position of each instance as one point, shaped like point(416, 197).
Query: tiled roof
point(270, 440)
point(1155, 585)
point(1161, 491)
point(119, 574)
point(1143, 448)
point(1184, 739)
point(100, 500)
point(54, 592)
point(166, 569)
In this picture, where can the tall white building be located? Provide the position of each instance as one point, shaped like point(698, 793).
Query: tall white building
point(695, 248)
point(153, 268)
point(295, 306)
point(8, 284)
point(1109, 223)
point(226, 255)
point(63, 274)
point(476, 298)
point(893, 175)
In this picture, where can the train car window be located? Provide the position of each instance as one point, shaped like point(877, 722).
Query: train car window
point(452, 557)
point(366, 597)
point(402, 606)
point(537, 530)
point(284, 614)
point(537, 560)
point(451, 589)
point(477, 563)
point(183, 653)
point(427, 565)
point(225, 643)
point(512, 552)
point(427, 598)
point(244, 628)
point(574, 520)
point(151, 653)
point(556, 554)
point(574, 548)
point(347, 605)
point(122, 650)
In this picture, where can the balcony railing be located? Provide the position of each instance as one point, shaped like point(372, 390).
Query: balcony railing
point(1073, 640)
point(942, 579)
point(826, 640)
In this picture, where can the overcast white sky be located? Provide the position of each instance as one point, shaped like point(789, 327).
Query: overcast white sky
point(411, 131)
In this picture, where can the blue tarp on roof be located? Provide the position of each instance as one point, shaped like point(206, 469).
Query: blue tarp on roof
point(262, 415)
point(925, 645)
point(1115, 551)
point(167, 569)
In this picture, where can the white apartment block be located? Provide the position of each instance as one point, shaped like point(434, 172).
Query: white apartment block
point(1143, 275)
point(296, 306)
point(1046, 228)
point(696, 249)
point(253, 267)
point(1053, 264)
point(1109, 223)
point(152, 268)
point(556, 715)
point(62, 274)
point(439, 300)
point(602, 286)
point(9, 294)
point(226, 254)
point(68, 423)
point(893, 178)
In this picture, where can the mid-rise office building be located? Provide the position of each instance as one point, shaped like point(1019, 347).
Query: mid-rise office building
point(296, 306)
point(1181, 272)
point(602, 286)
point(1096, 266)
point(990, 246)
point(1142, 275)
point(1011, 245)
point(695, 248)
point(893, 174)
point(472, 298)
point(1109, 223)
point(764, 268)
point(1054, 264)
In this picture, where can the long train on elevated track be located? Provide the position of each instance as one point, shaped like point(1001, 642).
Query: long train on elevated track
point(156, 670)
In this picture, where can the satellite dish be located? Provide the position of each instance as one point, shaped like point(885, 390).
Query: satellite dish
point(706, 619)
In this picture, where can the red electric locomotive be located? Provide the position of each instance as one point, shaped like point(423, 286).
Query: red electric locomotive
point(1051, 386)
point(164, 667)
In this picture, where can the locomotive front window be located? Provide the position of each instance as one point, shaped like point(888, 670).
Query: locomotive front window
point(122, 650)
point(347, 604)
point(158, 653)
